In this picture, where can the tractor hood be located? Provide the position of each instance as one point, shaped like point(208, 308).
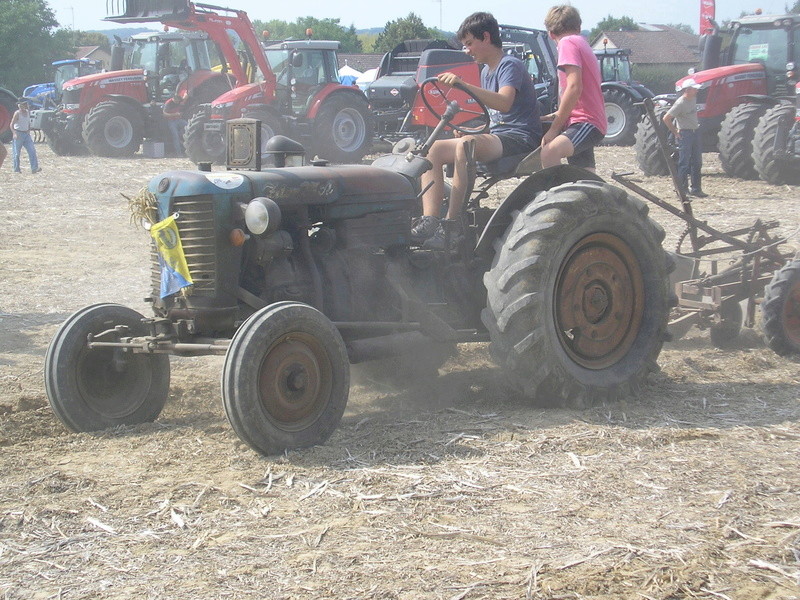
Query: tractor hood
point(725, 74)
point(108, 78)
point(343, 191)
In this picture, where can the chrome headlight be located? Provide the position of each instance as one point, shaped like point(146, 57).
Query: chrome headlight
point(262, 216)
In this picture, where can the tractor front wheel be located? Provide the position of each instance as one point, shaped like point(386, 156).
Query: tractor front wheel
point(202, 144)
point(577, 295)
point(648, 151)
point(95, 388)
point(343, 129)
point(113, 129)
point(770, 140)
point(286, 378)
point(736, 140)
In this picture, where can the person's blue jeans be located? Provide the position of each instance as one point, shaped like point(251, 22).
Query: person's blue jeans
point(690, 158)
point(22, 140)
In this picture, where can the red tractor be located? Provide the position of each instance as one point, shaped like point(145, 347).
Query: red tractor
point(754, 54)
point(111, 113)
point(304, 101)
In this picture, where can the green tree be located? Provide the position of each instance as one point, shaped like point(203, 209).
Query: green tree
point(613, 24)
point(795, 9)
point(683, 27)
point(26, 42)
point(323, 29)
point(400, 30)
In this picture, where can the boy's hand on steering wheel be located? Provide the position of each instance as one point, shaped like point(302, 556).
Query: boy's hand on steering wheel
point(449, 78)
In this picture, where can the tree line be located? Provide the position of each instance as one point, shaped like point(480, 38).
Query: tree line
point(31, 38)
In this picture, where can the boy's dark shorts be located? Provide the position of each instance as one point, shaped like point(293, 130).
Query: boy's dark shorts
point(513, 144)
point(584, 137)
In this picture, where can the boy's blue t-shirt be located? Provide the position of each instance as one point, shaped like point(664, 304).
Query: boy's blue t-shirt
point(523, 119)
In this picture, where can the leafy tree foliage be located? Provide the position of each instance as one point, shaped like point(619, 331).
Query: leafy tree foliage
point(684, 27)
point(613, 24)
point(324, 29)
point(400, 30)
point(795, 9)
point(27, 46)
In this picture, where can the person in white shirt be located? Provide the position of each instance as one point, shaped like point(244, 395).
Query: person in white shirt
point(21, 129)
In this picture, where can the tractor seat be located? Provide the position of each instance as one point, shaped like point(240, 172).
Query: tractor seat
point(514, 165)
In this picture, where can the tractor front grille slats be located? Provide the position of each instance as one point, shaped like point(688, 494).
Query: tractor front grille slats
point(196, 227)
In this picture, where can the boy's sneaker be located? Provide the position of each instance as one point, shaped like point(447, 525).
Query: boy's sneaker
point(423, 228)
point(36, 170)
point(698, 193)
point(442, 239)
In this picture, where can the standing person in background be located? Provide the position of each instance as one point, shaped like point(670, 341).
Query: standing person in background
point(690, 147)
point(21, 128)
point(580, 122)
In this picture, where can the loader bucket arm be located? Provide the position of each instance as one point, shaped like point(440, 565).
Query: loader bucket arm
point(216, 21)
point(146, 11)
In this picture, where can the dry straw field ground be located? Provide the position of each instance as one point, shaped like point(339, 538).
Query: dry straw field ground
point(445, 489)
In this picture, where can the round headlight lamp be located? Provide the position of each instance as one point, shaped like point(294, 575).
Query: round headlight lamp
point(262, 216)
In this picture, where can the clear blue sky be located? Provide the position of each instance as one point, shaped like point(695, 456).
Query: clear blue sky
point(448, 14)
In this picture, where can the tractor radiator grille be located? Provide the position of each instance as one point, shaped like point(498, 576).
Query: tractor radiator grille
point(196, 228)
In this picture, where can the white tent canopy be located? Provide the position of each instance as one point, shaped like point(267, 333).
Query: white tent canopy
point(348, 70)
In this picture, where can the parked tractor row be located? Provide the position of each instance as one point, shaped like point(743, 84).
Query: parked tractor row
point(214, 68)
point(746, 102)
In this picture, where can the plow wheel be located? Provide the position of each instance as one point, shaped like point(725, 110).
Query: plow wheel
point(286, 378)
point(577, 295)
point(780, 310)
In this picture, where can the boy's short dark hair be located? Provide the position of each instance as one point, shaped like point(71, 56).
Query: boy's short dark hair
point(479, 23)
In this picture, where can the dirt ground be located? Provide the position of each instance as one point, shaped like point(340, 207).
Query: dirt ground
point(447, 489)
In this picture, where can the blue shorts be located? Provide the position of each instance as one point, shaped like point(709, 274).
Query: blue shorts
point(584, 137)
point(514, 144)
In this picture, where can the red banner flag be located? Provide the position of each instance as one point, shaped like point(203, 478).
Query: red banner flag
point(706, 13)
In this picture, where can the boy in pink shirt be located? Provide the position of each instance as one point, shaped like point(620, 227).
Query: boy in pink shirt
point(580, 121)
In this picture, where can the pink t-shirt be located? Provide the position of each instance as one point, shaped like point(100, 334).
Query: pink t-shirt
point(591, 107)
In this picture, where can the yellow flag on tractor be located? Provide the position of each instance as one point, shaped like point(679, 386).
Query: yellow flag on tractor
point(174, 271)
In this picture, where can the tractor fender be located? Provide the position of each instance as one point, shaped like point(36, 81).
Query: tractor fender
point(124, 99)
point(328, 91)
point(522, 196)
point(635, 94)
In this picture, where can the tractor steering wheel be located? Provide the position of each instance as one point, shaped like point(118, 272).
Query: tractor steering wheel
point(434, 92)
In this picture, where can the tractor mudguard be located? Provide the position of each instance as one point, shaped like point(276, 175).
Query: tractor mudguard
point(631, 91)
point(522, 195)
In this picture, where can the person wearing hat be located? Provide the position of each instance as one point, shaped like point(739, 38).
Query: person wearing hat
point(681, 120)
point(21, 129)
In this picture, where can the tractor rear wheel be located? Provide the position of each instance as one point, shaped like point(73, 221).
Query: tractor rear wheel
point(286, 378)
point(343, 129)
point(648, 151)
point(577, 295)
point(736, 140)
point(93, 389)
point(204, 145)
point(113, 129)
point(780, 310)
point(773, 130)
point(63, 142)
point(622, 118)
